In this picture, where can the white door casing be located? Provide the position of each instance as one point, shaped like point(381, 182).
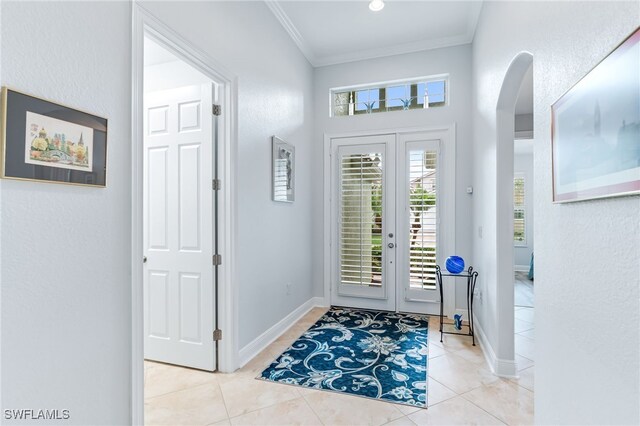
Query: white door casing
point(178, 227)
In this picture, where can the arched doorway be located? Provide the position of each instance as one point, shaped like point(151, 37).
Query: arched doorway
point(505, 134)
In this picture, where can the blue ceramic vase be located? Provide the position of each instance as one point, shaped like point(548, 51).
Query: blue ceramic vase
point(455, 264)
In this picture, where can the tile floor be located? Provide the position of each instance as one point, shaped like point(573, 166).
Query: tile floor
point(461, 391)
point(524, 328)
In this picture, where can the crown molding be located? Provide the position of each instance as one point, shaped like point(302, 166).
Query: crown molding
point(379, 52)
point(474, 16)
point(291, 29)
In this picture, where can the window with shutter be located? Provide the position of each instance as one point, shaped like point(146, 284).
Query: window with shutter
point(422, 218)
point(361, 219)
point(519, 234)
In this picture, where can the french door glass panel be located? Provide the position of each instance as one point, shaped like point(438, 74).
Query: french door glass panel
point(362, 211)
point(418, 223)
point(361, 219)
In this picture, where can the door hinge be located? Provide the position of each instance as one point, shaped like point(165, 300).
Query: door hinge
point(216, 110)
point(216, 184)
point(217, 334)
point(217, 259)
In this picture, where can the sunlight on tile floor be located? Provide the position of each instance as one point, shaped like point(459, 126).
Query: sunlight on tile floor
point(461, 391)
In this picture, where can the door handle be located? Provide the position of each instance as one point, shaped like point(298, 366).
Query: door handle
point(144, 259)
point(391, 245)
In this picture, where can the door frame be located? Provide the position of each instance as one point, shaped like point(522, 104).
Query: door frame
point(147, 25)
point(447, 134)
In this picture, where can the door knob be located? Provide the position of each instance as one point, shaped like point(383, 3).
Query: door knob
point(391, 245)
point(144, 259)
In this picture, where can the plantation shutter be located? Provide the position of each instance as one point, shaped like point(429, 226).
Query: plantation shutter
point(518, 210)
point(360, 219)
point(422, 218)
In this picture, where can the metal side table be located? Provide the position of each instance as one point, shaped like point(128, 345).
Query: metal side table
point(471, 277)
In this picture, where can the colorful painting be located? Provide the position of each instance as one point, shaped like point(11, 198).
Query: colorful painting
point(596, 130)
point(58, 143)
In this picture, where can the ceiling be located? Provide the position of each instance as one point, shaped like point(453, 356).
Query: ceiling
point(332, 32)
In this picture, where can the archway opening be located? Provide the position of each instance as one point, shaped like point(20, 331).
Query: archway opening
point(518, 74)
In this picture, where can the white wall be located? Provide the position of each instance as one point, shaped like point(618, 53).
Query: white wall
point(523, 165)
point(456, 62)
point(587, 270)
point(66, 318)
point(275, 89)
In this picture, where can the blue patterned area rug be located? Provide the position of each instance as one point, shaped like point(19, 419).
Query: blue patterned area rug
point(373, 354)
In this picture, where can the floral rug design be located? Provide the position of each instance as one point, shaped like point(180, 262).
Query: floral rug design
point(380, 355)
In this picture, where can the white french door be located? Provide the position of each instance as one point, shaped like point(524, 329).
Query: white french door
point(179, 300)
point(363, 213)
point(386, 222)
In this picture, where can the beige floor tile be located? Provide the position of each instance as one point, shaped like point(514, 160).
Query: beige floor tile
point(282, 343)
point(225, 422)
point(438, 392)
point(294, 412)
point(258, 364)
point(526, 379)
point(162, 379)
point(455, 411)
point(458, 374)
point(307, 391)
point(524, 347)
point(338, 409)
point(407, 409)
point(526, 314)
point(435, 351)
point(451, 342)
point(529, 334)
point(243, 395)
point(505, 400)
point(521, 325)
point(472, 354)
point(199, 405)
point(523, 363)
point(402, 421)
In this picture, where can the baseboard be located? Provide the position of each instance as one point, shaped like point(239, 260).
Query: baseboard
point(499, 367)
point(521, 268)
point(258, 344)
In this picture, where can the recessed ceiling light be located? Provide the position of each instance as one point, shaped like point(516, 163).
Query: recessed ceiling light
point(376, 5)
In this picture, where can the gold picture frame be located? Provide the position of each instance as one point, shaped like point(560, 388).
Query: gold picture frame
point(44, 141)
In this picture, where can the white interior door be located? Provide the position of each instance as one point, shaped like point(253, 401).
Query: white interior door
point(386, 207)
point(178, 227)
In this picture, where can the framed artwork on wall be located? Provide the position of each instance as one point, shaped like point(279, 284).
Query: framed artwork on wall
point(284, 170)
point(48, 142)
point(595, 130)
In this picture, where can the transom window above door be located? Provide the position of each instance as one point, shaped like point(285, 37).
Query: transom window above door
point(418, 93)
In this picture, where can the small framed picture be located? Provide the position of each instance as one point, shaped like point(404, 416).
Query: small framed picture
point(49, 142)
point(284, 170)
